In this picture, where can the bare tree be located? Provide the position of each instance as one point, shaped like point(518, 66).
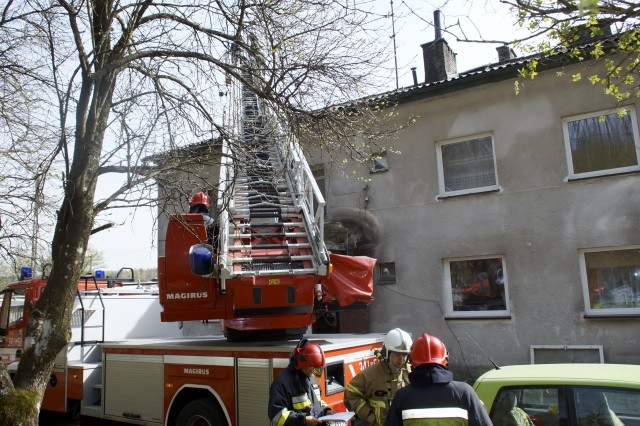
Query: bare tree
point(115, 83)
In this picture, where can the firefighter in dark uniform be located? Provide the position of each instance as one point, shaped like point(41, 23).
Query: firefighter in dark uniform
point(294, 396)
point(433, 397)
point(370, 392)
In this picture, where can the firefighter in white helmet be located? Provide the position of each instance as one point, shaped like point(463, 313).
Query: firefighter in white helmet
point(370, 392)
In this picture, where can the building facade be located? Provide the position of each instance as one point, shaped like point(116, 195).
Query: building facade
point(506, 224)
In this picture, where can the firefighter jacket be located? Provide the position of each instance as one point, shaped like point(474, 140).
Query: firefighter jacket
point(373, 389)
point(293, 396)
point(434, 398)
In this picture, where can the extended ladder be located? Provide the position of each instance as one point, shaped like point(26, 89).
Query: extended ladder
point(271, 209)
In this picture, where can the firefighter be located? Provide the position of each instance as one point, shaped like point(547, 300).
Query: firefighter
point(370, 392)
point(200, 203)
point(294, 395)
point(433, 397)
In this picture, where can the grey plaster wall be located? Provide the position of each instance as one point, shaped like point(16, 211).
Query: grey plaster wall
point(538, 221)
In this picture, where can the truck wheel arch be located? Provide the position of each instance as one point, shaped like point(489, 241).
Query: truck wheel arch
point(190, 393)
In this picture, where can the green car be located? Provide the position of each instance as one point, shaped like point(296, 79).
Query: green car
point(562, 394)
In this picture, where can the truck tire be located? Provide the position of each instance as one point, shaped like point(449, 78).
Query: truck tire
point(200, 412)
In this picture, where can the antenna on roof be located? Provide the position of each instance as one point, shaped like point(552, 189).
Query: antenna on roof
point(393, 36)
point(482, 350)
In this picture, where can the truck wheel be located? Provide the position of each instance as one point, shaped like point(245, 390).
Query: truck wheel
point(200, 412)
point(73, 410)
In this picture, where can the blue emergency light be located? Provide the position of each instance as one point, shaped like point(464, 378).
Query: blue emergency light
point(26, 273)
point(200, 256)
point(99, 273)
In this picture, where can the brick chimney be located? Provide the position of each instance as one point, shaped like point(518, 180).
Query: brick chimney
point(505, 53)
point(439, 59)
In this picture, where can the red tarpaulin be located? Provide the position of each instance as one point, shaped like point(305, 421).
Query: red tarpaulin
point(351, 280)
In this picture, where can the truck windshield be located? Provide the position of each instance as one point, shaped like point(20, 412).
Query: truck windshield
point(11, 310)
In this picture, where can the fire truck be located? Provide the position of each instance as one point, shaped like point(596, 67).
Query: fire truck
point(96, 315)
point(263, 272)
point(109, 370)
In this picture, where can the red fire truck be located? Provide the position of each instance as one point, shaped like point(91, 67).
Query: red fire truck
point(262, 271)
point(110, 370)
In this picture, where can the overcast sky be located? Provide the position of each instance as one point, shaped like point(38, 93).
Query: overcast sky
point(132, 243)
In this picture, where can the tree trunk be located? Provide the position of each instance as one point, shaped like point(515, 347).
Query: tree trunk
point(50, 320)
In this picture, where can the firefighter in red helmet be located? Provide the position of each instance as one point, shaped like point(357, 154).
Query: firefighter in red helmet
point(200, 203)
point(432, 396)
point(294, 396)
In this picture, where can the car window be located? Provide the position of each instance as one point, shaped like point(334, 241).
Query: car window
point(607, 406)
point(530, 406)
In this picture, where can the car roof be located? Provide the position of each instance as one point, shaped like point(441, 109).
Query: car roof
point(578, 373)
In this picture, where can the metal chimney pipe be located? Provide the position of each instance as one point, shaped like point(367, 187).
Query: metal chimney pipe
point(436, 24)
point(415, 76)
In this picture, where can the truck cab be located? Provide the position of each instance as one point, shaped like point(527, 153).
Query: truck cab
point(16, 299)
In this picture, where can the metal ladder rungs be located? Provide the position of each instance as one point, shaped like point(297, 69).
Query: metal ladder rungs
point(270, 246)
point(273, 259)
point(303, 271)
point(261, 207)
point(276, 224)
point(270, 234)
point(243, 215)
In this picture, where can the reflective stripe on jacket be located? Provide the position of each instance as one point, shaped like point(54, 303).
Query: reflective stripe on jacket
point(434, 398)
point(452, 416)
point(293, 396)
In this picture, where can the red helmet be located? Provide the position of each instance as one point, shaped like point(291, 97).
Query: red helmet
point(428, 349)
point(308, 355)
point(200, 198)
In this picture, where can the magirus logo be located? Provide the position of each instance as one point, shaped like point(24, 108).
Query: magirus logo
point(191, 295)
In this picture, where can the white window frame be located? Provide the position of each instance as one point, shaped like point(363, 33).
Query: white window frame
point(605, 312)
point(598, 348)
point(491, 188)
point(631, 112)
point(448, 296)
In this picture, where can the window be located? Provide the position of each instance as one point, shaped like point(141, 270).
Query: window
point(476, 287)
point(386, 273)
point(562, 405)
point(611, 281)
point(606, 406)
point(555, 354)
point(334, 378)
point(542, 404)
point(601, 143)
point(467, 166)
point(379, 162)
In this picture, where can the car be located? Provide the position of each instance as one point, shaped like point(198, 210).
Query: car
point(577, 394)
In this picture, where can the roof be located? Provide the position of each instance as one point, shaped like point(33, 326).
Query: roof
point(489, 73)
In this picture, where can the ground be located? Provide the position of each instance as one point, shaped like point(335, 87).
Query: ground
point(54, 419)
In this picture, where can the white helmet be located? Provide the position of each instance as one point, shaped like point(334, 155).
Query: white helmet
point(397, 340)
